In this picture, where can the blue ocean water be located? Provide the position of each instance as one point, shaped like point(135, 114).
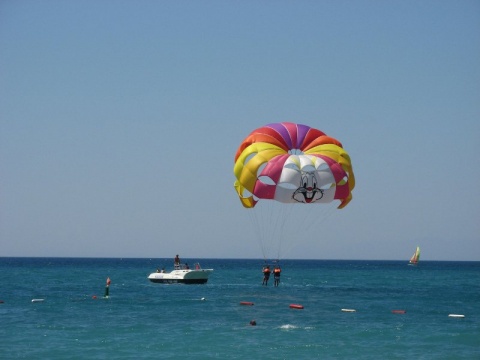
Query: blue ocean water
point(143, 320)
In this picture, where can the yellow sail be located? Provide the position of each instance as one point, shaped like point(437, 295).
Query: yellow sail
point(415, 257)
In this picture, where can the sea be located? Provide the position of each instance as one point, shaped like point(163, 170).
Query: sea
point(397, 311)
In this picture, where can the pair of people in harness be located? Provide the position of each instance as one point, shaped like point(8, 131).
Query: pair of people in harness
point(276, 275)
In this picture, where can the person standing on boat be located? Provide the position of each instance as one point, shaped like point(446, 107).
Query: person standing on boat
point(266, 275)
point(276, 275)
point(176, 262)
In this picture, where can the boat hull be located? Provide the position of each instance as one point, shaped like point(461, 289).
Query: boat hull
point(179, 281)
point(181, 277)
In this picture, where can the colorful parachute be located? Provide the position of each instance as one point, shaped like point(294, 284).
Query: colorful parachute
point(292, 163)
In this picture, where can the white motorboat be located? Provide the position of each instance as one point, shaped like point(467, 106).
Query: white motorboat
point(181, 274)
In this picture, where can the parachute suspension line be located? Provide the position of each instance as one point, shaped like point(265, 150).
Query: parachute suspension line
point(310, 221)
point(279, 229)
point(261, 219)
point(270, 221)
point(275, 236)
point(317, 217)
point(258, 233)
point(284, 238)
point(294, 225)
point(273, 230)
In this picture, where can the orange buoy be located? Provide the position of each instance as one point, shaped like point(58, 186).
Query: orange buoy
point(296, 306)
point(399, 311)
point(246, 303)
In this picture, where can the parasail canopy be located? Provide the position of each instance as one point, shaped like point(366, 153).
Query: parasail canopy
point(292, 163)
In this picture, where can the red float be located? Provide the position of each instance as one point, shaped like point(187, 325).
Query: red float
point(296, 306)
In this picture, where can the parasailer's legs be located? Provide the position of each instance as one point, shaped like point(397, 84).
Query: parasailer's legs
point(266, 275)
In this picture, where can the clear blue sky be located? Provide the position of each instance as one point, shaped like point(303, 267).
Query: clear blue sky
point(119, 121)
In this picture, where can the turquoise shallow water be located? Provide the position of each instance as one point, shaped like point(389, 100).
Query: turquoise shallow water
point(143, 320)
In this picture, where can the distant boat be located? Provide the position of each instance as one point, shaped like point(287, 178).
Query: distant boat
point(415, 257)
point(181, 274)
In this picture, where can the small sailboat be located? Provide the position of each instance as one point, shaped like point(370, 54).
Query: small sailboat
point(415, 257)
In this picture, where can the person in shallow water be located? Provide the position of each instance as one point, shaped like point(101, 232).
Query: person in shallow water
point(266, 275)
point(276, 275)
